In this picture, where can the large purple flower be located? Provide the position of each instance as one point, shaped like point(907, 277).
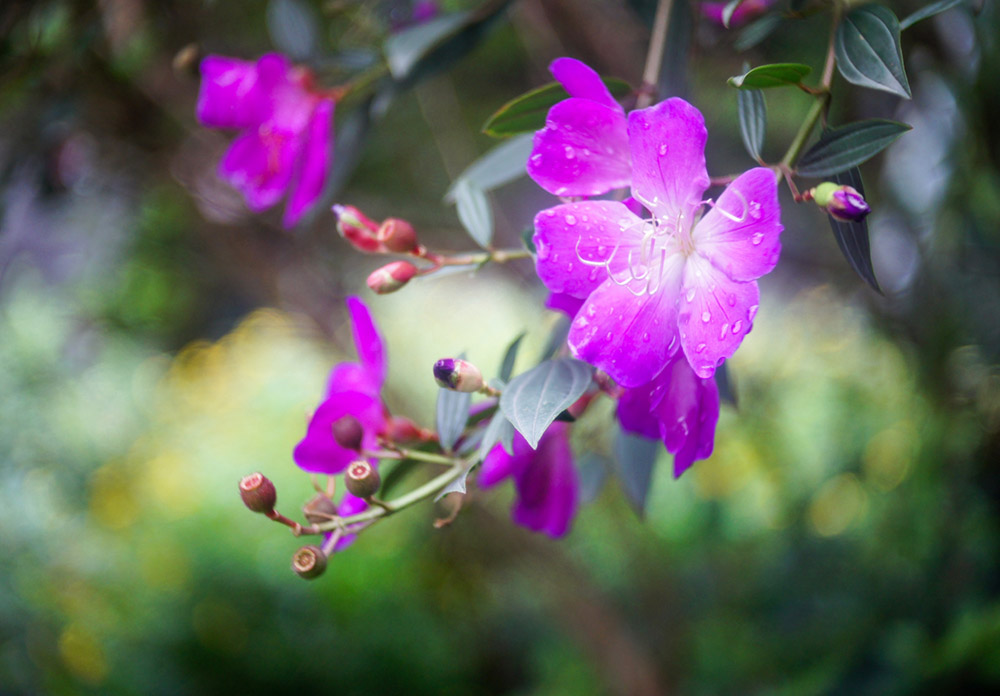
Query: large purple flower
point(287, 130)
point(677, 280)
point(545, 480)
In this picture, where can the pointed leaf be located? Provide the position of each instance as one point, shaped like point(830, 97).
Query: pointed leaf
point(592, 471)
point(497, 430)
point(774, 75)
point(635, 457)
point(928, 11)
point(868, 52)
point(852, 237)
point(527, 112)
point(839, 149)
point(474, 212)
point(501, 165)
point(292, 26)
point(452, 414)
point(753, 120)
point(404, 49)
point(509, 357)
point(527, 239)
point(533, 400)
point(757, 31)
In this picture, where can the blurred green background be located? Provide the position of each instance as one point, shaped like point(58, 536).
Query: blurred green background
point(157, 342)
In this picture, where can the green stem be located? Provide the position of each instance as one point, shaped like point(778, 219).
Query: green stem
point(804, 131)
point(654, 57)
point(413, 454)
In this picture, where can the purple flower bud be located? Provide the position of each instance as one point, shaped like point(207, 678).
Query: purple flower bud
point(258, 492)
point(309, 562)
point(391, 277)
point(348, 432)
point(362, 480)
point(842, 202)
point(458, 375)
point(398, 235)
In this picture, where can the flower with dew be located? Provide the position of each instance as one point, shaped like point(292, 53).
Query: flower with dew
point(544, 478)
point(676, 280)
point(286, 138)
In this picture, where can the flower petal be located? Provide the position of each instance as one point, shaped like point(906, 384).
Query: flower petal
point(635, 409)
point(561, 302)
point(668, 159)
point(370, 346)
point(580, 80)
point(351, 376)
point(547, 488)
point(318, 451)
point(687, 411)
point(715, 314)
point(259, 165)
point(349, 505)
point(314, 164)
point(497, 465)
point(573, 239)
point(582, 151)
point(228, 96)
point(740, 234)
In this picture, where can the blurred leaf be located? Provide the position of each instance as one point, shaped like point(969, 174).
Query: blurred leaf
point(635, 457)
point(852, 237)
point(557, 339)
point(352, 135)
point(533, 400)
point(928, 11)
point(456, 486)
point(527, 238)
point(728, 10)
point(773, 75)
point(674, 68)
point(527, 112)
point(757, 31)
point(499, 166)
point(592, 470)
point(474, 212)
point(499, 429)
point(753, 120)
point(452, 413)
point(509, 357)
point(293, 29)
point(724, 381)
point(868, 53)
point(839, 149)
point(404, 49)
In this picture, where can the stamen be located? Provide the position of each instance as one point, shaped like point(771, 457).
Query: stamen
point(729, 216)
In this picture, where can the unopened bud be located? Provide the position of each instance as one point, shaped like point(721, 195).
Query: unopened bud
point(398, 235)
point(391, 277)
point(348, 433)
point(319, 509)
point(357, 228)
point(458, 375)
point(842, 202)
point(309, 562)
point(258, 492)
point(362, 480)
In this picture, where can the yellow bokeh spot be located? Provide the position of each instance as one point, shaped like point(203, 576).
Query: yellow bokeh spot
point(112, 499)
point(729, 468)
point(888, 455)
point(83, 655)
point(168, 482)
point(837, 505)
point(163, 564)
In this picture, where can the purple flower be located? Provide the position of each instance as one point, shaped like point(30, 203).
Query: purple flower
point(583, 149)
point(544, 478)
point(676, 280)
point(677, 407)
point(747, 10)
point(287, 130)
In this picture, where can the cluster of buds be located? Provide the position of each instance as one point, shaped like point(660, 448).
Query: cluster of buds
point(842, 202)
point(392, 236)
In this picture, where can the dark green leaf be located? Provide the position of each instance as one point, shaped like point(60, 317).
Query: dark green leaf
point(852, 237)
point(757, 31)
point(753, 120)
point(728, 10)
point(635, 457)
point(499, 429)
point(839, 149)
point(592, 470)
point(474, 212)
point(527, 238)
point(533, 400)
point(452, 413)
point(405, 49)
point(292, 26)
point(675, 65)
point(868, 53)
point(773, 75)
point(499, 166)
point(507, 366)
point(928, 11)
point(527, 112)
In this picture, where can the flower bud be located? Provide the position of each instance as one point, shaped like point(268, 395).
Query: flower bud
point(258, 492)
point(348, 432)
point(391, 277)
point(309, 562)
point(357, 228)
point(362, 480)
point(458, 375)
point(397, 235)
point(320, 509)
point(842, 202)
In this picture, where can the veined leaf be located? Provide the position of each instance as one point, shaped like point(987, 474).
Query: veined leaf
point(533, 400)
point(773, 75)
point(501, 165)
point(839, 149)
point(507, 366)
point(757, 31)
point(474, 212)
point(852, 237)
point(635, 457)
point(497, 430)
point(868, 52)
point(452, 415)
point(753, 120)
point(928, 11)
point(527, 112)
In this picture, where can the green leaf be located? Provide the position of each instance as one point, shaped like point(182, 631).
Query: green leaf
point(533, 400)
point(868, 53)
point(528, 111)
point(753, 120)
point(527, 238)
point(839, 149)
point(773, 75)
point(507, 366)
point(852, 237)
point(757, 31)
point(292, 26)
point(474, 212)
point(724, 381)
point(499, 429)
point(635, 457)
point(728, 10)
point(452, 415)
point(928, 11)
point(592, 471)
point(499, 166)
point(405, 49)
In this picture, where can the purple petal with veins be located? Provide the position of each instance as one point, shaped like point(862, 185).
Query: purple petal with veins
point(580, 80)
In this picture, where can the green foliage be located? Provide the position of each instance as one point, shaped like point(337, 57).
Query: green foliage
point(839, 149)
point(526, 113)
point(775, 75)
point(868, 51)
point(532, 400)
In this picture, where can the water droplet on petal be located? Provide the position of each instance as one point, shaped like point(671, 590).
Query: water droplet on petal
point(663, 149)
point(586, 152)
point(700, 348)
point(591, 311)
point(757, 238)
point(592, 276)
point(752, 312)
point(706, 317)
point(608, 336)
point(755, 210)
point(645, 338)
point(673, 342)
point(536, 158)
point(550, 213)
point(570, 152)
point(690, 295)
point(645, 124)
point(737, 325)
point(731, 300)
point(569, 267)
point(585, 218)
point(571, 220)
point(723, 330)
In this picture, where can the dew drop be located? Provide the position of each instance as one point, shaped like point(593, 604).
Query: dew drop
point(706, 317)
point(752, 312)
point(673, 342)
point(571, 220)
point(737, 325)
point(731, 300)
point(645, 338)
point(757, 238)
point(663, 149)
point(755, 210)
point(586, 152)
point(700, 348)
point(570, 152)
point(601, 249)
point(585, 218)
point(593, 274)
point(645, 124)
point(536, 158)
point(591, 311)
point(723, 330)
point(550, 212)
point(608, 336)
point(690, 295)
point(569, 267)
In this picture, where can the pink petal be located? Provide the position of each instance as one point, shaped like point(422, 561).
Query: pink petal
point(635, 409)
point(350, 376)
point(314, 164)
point(371, 347)
point(582, 151)
point(349, 505)
point(629, 337)
point(568, 236)
point(687, 411)
point(318, 451)
point(580, 80)
point(561, 302)
point(715, 314)
point(740, 234)
point(496, 466)
point(668, 159)
point(259, 165)
point(228, 96)
point(547, 488)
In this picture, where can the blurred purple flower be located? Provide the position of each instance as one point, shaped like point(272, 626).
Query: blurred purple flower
point(544, 478)
point(677, 407)
point(287, 130)
point(747, 10)
point(676, 280)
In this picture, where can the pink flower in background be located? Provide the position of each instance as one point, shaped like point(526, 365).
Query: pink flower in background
point(544, 478)
point(287, 130)
point(747, 10)
point(676, 280)
point(677, 407)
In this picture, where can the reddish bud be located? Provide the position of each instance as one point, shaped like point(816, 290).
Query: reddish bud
point(398, 235)
point(391, 277)
point(258, 492)
point(362, 480)
point(401, 429)
point(319, 509)
point(309, 562)
point(458, 375)
point(357, 228)
point(348, 433)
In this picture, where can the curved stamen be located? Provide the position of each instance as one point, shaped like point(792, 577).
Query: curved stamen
point(729, 216)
